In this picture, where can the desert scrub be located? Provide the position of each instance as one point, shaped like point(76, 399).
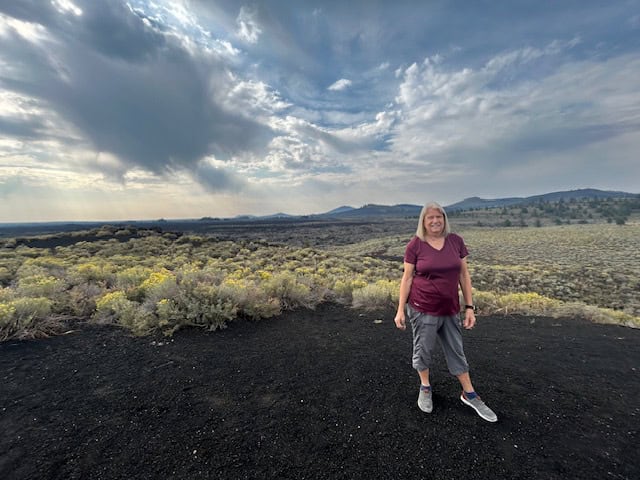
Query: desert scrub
point(529, 303)
point(202, 306)
point(97, 272)
point(532, 304)
point(113, 307)
point(381, 294)
point(132, 277)
point(146, 282)
point(159, 284)
point(344, 287)
point(40, 285)
point(250, 299)
point(26, 318)
point(81, 299)
point(291, 292)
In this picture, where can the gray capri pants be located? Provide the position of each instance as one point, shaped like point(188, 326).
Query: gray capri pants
point(447, 329)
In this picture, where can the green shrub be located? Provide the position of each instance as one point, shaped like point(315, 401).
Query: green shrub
point(131, 277)
point(25, 318)
point(381, 294)
point(596, 314)
point(40, 285)
point(199, 307)
point(527, 303)
point(114, 307)
point(5, 276)
point(7, 322)
point(29, 309)
point(82, 299)
point(343, 289)
point(252, 301)
point(7, 294)
point(160, 284)
point(91, 272)
point(291, 292)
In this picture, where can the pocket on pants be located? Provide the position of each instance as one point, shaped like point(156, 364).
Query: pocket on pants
point(425, 319)
point(412, 313)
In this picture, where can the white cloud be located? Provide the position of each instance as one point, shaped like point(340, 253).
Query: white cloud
point(30, 31)
point(252, 98)
point(507, 118)
point(248, 26)
point(340, 85)
point(67, 6)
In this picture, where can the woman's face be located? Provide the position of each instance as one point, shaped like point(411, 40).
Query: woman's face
point(434, 222)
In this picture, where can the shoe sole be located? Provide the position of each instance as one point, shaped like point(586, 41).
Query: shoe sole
point(466, 402)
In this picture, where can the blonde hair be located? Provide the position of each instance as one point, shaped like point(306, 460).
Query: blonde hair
point(421, 232)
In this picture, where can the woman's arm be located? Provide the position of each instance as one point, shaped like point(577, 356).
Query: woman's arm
point(467, 294)
point(405, 288)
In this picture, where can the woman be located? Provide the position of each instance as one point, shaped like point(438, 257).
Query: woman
point(434, 265)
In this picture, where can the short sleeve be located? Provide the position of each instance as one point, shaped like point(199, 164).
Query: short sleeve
point(462, 248)
point(411, 252)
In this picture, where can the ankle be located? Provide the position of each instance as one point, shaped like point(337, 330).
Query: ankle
point(470, 395)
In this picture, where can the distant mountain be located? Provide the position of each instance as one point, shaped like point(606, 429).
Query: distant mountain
point(279, 215)
point(372, 210)
point(477, 202)
point(339, 210)
point(406, 210)
point(579, 194)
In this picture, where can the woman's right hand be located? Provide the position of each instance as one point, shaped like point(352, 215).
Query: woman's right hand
point(400, 320)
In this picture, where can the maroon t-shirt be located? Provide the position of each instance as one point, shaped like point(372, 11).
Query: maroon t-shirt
point(434, 289)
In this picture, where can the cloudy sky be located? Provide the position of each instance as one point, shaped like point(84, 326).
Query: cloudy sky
point(113, 109)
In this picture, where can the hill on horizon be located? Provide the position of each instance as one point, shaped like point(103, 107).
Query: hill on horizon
point(580, 194)
point(344, 212)
point(371, 210)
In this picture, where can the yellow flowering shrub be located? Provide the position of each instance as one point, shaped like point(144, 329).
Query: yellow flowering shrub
point(7, 294)
point(527, 303)
point(132, 276)
point(23, 314)
point(7, 311)
point(381, 294)
point(251, 299)
point(39, 286)
point(291, 292)
point(91, 272)
point(28, 309)
point(114, 306)
point(47, 261)
point(5, 275)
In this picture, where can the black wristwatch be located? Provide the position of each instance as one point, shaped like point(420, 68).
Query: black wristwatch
point(472, 307)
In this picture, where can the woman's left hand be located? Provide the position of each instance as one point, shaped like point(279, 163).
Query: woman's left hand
point(469, 319)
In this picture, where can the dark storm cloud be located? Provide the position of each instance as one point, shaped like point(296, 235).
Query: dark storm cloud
point(154, 115)
point(36, 11)
point(129, 89)
point(114, 30)
point(31, 128)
